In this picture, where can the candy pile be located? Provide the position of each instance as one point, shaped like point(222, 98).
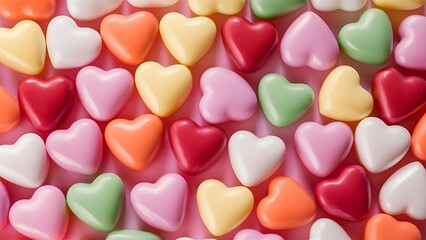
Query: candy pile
point(231, 119)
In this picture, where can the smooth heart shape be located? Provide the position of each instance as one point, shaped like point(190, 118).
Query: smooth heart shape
point(323, 148)
point(25, 162)
point(282, 102)
point(268, 9)
point(187, 39)
point(379, 146)
point(254, 159)
point(77, 149)
point(47, 203)
point(46, 102)
point(223, 209)
point(130, 38)
point(348, 196)
point(70, 46)
point(210, 141)
point(250, 234)
point(342, 97)
point(383, 226)
point(332, 5)
point(326, 229)
point(298, 49)
point(104, 93)
point(124, 138)
point(89, 10)
point(23, 48)
point(397, 96)
point(9, 108)
point(163, 204)
point(131, 235)
point(287, 206)
point(370, 39)
point(226, 96)
point(17, 10)
point(399, 5)
point(4, 205)
point(99, 203)
point(418, 139)
point(405, 192)
point(163, 89)
point(247, 51)
point(205, 8)
point(152, 3)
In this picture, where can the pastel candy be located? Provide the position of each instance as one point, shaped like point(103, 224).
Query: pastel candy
point(152, 3)
point(89, 10)
point(324, 229)
point(383, 226)
point(9, 108)
point(418, 140)
point(248, 234)
point(131, 235)
point(4, 205)
point(268, 9)
point(17, 10)
point(332, 5)
point(205, 8)
point(399, 5)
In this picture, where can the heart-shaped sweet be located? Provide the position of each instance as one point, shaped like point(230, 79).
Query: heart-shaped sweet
point(370, 39)
point(323, 148)
point(187, 39)
point(163, 204)
point(129, 38)
point(17, 10)
point(98, 204)
point(152, 3)
point(383, 226)
point(327, 229)
point(405, 192)
point(248, 51)
point(254, 159)
point(223, 209)
point(131, 235)
point(226, 96)
point(287, 206)
point(9, 108)
point(104, 93)
point(298, 49)
point(282, 102)
point(379, 146)
point(43, 216)
point(89, 10)
point(342, 97)
point(23, 48)
point(46, 102)
point(227, 7)
point(418, 139)
point(163, 89)
point(196, 147)
point(4, 205)
point(399, 5)
point(332, 5)
point(397, 96)
point(348, 196)
point(268, 9)
point(125, 137)
point(25, 162)
point(250, 234)
point(70, 46)
point(77, 149)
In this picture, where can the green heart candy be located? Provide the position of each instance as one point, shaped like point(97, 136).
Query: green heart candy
point(131, 235)
point(268, 9)
point(99, 203)
point(370, 39)
point(283, 102)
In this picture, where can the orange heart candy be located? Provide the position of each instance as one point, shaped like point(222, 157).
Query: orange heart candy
point(9, 110)
point(134, 143)
point(17, 10)
point(382, 226)
point(418, 140)
point(287, 206)
point(130, 38)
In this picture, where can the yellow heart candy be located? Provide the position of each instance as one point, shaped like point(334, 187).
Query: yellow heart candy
point(163, 89)
point(223, 209)
point(23, 47)
point(187, 39)
point(208, 7)
point(342, 97)
point(399, 4)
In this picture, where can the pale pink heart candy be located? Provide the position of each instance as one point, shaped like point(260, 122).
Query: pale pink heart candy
point(309, 42)
point(323, 148)
point(251, 234)
point(4, 205)
point(43, 216)
point(163, 204)
point(104, 93)
point(226, 96)
point(77, 149)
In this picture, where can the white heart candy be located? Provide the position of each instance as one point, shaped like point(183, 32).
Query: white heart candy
point(254, 159)
point(70, 46)
point(405, 192)
point(345, 5)
point(152, 3)
point(327, 229)
point(87, 10)
point(25, 162)
point(380, 146)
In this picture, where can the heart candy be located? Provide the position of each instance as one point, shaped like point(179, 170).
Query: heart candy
point(4, 205)
point(9, 108)
point(17, 10)
point(227, 7)
point(383, 226)
point(131, 235)
point(152, 3)
point(332, 5)
point(326, 229)
point(268, 9)
point(89, 10)
point(418, 140)
point(399, 5)
point(250, 234)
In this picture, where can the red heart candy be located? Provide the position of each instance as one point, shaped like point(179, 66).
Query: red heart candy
point(46, 103)
point(249, 44)
point(347, 196)
point(195, 147)
point(398, 96)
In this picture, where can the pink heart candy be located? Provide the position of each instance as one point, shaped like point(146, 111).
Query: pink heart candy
point(250, 234)
point(323, 148)
point(226, 96)
point(77, 149)
point(44, 216)
point(163, 204)
point(4, 205)
point(104, 93)
point(309, 42)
